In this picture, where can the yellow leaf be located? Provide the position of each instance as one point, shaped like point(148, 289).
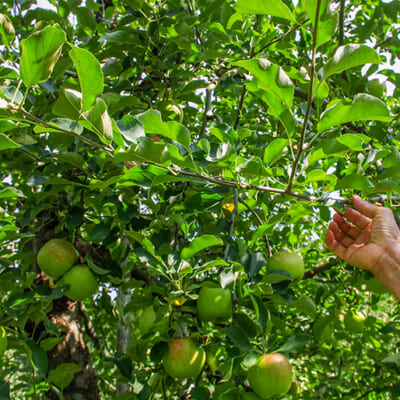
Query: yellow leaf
point(228, 206)
point(179, 301)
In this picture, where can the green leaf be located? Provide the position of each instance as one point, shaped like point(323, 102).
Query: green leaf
point(253, 168)
point(392, 359)
point(38, 358)
point(40, 51)
point(73, 159)
point(353, 142)
point(63, 375)
point(355, 182)
point(349, 56)
point(327, 21)
point(7, 143)
point(61, 123)
point(273, 87)
point(274, 150)
point(304, 305)
point(90, 76)
point(68, 104)
point(153, 125)
point(4, 390)
point(7, 31)
point(49, 343)
point(295, 343)
point(274, 8)
point(146, 151)
point(11, 193)
point(363, 108)
point(98, 121)
point(220, 152)
point(273, 78)
point(131, 129)
point(199, 244)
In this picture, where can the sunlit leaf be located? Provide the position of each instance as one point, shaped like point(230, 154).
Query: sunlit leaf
point(91, 84)
point(276, 8)
point(63, 374)
point(349, 56)
point(363, 108)
point(153, 124)
point(355, 182)
point(40, 51)
point(199, 244)
point(272, 76)
point(7, 143)
point(274, 150)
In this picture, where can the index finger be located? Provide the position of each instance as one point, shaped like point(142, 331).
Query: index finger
point(356, 218)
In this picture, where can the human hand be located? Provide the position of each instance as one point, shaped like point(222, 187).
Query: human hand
point(365, 236)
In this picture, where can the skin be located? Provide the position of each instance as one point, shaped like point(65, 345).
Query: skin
point(367, 236)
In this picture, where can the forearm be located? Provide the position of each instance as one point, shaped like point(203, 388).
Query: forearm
point(387, 269)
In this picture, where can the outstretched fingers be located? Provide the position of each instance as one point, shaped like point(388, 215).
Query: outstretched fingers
point(347, 228)
point(334, 246)
point(356, 218)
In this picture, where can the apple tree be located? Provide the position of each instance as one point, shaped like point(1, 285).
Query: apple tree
point(178, 146)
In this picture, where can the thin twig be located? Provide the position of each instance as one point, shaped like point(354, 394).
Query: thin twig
point(240, 107)
point(341, 22)
point(260, 222)
point(244, 90)
point(310, 99)
point(365, 394)
point(281, 37)
point(70, 133)
point(207, 108)
point(319, 269)
point(232, 222)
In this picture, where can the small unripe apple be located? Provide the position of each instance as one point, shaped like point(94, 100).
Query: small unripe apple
point(289, 261)
point(56, 257)
point(270, 376)
point(249, 396)
point(354, 322)
point(376, 88)
point(184, 359)
point(82, 282)
point(214, 303)
point(146, 320)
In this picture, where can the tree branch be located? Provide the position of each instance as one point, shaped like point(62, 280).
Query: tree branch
point(232, 222)
point(341, 22)
point(310, 99)
point(70, 133)
point(207, 108)
point(260, 222)
point(320, 269)
point(281, 37)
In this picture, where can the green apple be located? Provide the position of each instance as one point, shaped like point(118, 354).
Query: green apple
point(146, 319)
point(82, 282)
point(270, 376)
point(376, 88)
point(214, 303)
point(354, 322)
point(289, 261)
point(249, 396)
point(184, 359)
point(56, 257)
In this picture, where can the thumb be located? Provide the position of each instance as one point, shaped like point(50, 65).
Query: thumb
point(364, 207)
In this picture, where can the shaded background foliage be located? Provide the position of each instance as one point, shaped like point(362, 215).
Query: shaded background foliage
point(175, 142)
